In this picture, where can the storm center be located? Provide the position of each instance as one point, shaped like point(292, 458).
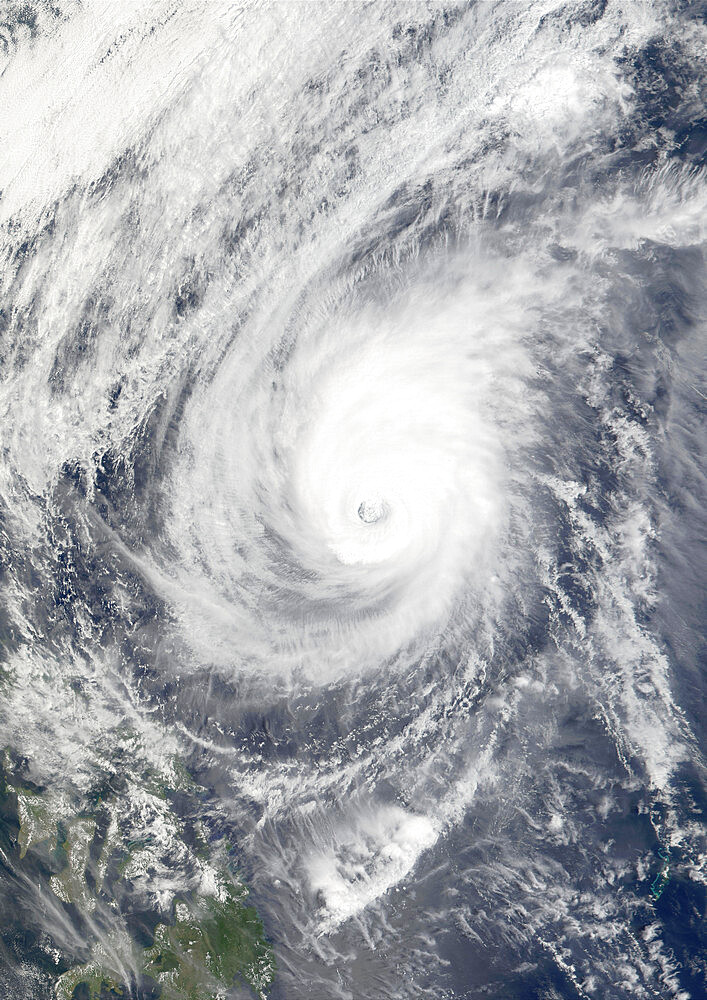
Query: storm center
point(371, 511)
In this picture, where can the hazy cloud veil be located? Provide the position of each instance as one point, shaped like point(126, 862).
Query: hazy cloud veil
point(351, 463)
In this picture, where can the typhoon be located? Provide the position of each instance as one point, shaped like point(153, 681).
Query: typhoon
point(352, 500)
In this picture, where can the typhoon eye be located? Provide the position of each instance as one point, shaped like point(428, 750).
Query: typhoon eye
point(373, 510)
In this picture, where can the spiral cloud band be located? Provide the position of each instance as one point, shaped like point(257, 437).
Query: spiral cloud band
point(351, 499)
point(369, 492)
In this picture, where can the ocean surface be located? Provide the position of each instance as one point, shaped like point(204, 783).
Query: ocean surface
point(352, 500)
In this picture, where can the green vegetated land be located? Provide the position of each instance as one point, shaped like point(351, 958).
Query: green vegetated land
point(199, 956)
point(212, 940)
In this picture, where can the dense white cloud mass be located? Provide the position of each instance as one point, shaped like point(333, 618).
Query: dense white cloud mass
point(351, 483)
